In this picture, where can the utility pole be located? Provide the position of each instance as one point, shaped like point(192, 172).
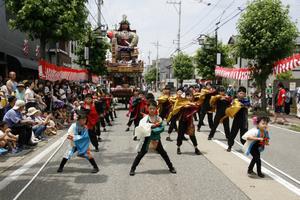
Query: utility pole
point(179, 3)
point(100, 3)
point(157, 45)
point(149, 57)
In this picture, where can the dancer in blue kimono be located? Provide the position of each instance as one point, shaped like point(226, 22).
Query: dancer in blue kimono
point(79, 142)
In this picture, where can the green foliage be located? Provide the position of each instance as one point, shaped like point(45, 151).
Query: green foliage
point(285, 76)
point(266, 34)
point(183, 67)
point(48, 20)
point(97, 52)
point(150, 76)
point(206, 58)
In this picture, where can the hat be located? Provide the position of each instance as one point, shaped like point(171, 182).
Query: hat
point(20, 85)
point(19, 104)
point(32, 111)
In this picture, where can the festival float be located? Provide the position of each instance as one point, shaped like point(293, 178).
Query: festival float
point(124, 68)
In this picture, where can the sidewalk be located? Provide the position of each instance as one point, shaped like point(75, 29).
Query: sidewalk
point(234, 166)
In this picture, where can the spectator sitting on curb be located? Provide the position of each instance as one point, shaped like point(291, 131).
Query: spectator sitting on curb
point(40, 126)
point(7, 139)
point(19, 126)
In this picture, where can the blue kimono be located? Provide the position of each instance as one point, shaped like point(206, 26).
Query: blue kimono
point(80, 142)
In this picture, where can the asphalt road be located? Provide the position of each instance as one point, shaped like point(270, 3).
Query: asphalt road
point(196, 178)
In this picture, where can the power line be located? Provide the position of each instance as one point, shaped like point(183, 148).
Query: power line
point(219, 16)
point(90, 13)
point(99, 10)
point(201, 19)
point(241, 10)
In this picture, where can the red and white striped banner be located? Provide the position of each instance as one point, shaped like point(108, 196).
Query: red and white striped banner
point(52, 72)
point(95, 79)
point(286, 64)
point(233, 73)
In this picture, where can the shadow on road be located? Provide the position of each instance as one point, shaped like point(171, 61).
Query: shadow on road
point(155, 172)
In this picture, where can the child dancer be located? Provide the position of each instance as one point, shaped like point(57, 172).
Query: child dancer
point(186, 123)
point(220, 103)
point(130, 113)
point(256, 139)
point(153, 124)
point(79, 141)
point(240, 121)
point(92, 119)
point(208, 92)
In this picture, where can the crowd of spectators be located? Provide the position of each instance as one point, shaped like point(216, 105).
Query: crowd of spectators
point(33, 110)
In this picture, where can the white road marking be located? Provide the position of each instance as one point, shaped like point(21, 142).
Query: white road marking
point(270, 165)
point(14, 175)
point(277, 178)
point(44, 165)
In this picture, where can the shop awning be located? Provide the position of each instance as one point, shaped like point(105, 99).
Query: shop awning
point(27, 63)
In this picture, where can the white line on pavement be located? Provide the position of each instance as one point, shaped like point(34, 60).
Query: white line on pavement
point(270, 165)
point(277, 178)
point(44, 165)
point(14, 175)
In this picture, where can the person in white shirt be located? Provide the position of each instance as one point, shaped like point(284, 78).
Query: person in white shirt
point(30, 95)
point(31, 98)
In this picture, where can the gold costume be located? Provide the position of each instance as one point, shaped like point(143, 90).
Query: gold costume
point(179, 103)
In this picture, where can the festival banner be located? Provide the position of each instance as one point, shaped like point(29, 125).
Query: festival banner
point(95, 79)
point(233, 73)
point(52, 72)
point(286, 64)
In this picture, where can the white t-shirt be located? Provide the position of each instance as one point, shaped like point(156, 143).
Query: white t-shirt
point(62, 93)
point(29, 95)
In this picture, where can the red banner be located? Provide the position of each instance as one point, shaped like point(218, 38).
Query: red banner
point(233, 73)
point(95, 79)
point(287, 64)
point(52, 72)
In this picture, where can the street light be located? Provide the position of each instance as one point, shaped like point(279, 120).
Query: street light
point(202, 39)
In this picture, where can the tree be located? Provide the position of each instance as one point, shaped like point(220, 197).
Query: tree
point(265, 34)
point(285, 76)
point(150, 76)
point(183, 67)
point(48, 20)
point(97, 52)
point(206, 58)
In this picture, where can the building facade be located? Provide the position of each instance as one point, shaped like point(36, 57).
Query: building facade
point(166, 72)
point(17, 52)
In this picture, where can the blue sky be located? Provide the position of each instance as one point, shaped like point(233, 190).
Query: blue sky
point(156, 20)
